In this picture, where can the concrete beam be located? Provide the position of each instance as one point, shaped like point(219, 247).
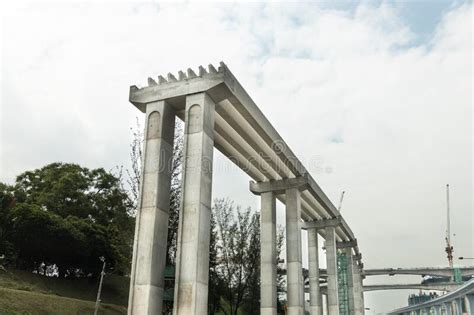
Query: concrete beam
point(279, 186)
point(346, 244)
point(426, 271)
point(321, 224)
point(449, 286)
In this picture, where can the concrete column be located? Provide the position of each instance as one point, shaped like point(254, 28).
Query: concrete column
point(331, 262)
point(151, 230)
point(315, 297)
point(350, 279)
point(470, 303)
point(295, 286)
point(357, 283)
point(192, 262)
point(457, 307)
point(449, 308)
point(268, 255)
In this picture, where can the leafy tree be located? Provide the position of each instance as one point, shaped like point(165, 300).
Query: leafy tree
point(214, 296)
point(235, 250)
point(7, 202)
point(68, 216)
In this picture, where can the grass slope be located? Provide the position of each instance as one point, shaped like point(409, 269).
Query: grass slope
point(13, 302)
point(23, 292)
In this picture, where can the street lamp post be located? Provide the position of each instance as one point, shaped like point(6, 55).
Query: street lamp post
point(466, 258)
point(97, 301)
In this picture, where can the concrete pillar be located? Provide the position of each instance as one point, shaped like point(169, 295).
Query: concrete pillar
point(295, 286)
point(449, 308)
point(315, 297)
point(192, 261)
point(350, 279)
point(357, 283)
point(331, 263)
point(470, 303)
point(149, 249)
point(268, 255)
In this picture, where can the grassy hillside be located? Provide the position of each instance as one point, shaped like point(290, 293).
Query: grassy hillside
point(14, 302)
point(22, 292)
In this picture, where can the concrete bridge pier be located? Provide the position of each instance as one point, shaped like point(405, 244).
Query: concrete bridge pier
point(350, 279)
point(358, 287)
point(331, 262)
point(268, 255)
point(295, 286)
point(291, 188)
point(151, 229)
point(470, 303)
point(448, 308)
point(315, 297)
point(192, 259)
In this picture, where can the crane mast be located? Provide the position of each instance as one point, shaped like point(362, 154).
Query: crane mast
point(449, 248)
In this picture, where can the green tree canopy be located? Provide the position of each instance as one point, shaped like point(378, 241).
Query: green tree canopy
point(69, 216)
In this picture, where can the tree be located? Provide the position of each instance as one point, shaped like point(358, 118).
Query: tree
point(251, 302)
point(214, 294)
point(7, 202)
point(68, 216)
point(235, 250)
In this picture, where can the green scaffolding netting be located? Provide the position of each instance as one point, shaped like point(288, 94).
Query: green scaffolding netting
point(457, 275)
point(342, 284)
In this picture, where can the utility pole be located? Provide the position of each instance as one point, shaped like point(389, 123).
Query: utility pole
point(449, 248)
point(97, 301)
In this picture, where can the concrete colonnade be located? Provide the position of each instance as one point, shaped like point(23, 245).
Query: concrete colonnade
point(219, 113)
point(292, 188)
point(192, 265)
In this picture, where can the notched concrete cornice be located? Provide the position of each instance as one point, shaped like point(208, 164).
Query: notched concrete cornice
point(185, 83)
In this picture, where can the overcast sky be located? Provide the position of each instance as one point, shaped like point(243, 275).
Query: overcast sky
point(375, 98)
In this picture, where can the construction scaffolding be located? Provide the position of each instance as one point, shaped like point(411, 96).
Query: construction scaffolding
point(342, 284)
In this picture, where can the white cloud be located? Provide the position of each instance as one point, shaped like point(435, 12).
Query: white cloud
point(365, 110)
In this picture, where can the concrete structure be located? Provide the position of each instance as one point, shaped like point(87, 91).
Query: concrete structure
point(448, 286)
point(457, 302)
point(422, 271)
point(218, 113)
point(426, 271)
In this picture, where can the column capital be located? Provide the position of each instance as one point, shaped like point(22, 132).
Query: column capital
point(346, 244)
point(321, 224)
point(279, 186)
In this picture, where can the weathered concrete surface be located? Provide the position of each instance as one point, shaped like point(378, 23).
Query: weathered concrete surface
point(315, 297)
point(331, 262)
point(192, 265)
point(268, 255)
point(149, 254)
point(295, 287)
point(357, 283)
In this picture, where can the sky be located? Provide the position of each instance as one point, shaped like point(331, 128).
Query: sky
point(374, 97)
